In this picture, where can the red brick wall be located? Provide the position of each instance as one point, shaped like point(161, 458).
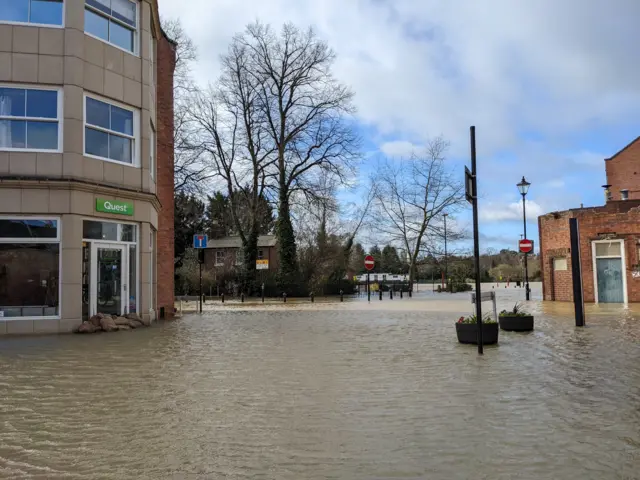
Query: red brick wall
point(269, 253)
point(555, 242)
point(623, 171)
point(621, 220)
point(165, 190)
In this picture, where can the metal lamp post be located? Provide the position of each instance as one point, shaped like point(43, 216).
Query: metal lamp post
point(523, 186)
point(446, 273)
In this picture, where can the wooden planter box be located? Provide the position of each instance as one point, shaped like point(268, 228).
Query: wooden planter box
point(468, 333)
point(512, 323)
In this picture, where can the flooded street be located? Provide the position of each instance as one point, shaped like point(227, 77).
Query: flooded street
point(328, 391)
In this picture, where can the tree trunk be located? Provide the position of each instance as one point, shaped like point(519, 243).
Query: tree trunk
point(287, 272)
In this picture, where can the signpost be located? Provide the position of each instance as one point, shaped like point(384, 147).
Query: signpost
point(471, 192)
point(525, 246)
point(369, 263)
point(262, 264)
point(200, 243)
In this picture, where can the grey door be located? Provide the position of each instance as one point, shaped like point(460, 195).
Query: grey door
point(610, 284)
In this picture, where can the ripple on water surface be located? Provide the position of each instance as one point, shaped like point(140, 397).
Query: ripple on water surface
point(338, 392)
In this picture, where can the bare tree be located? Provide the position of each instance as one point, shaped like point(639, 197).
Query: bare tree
point(412, 197)
point(231, 135)
point(306, 113)
point(190, 173)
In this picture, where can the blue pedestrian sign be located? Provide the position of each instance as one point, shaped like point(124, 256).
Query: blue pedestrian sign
point(199, 241)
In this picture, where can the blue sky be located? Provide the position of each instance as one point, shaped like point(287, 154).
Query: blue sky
point(552, 87)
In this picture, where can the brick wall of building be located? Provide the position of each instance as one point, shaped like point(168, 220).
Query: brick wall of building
point(165, 185)
point(616, 220)
point(269, 253)
point(623, 171)
point(555, 243)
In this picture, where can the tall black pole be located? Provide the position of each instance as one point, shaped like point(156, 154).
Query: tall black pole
point(526, 255)
point(476, 239)
point(576, 272)
point(368, 288)
point(446, 273)
point(201, 287)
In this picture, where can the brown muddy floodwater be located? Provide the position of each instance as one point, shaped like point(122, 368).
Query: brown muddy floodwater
point(329, 391)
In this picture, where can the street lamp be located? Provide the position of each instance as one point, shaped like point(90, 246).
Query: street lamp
point(523, 186)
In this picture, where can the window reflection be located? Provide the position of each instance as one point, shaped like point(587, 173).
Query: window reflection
point(27, 228)
point(29, 279)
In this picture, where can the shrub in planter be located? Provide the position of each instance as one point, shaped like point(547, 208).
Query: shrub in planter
point(516, 320)
point(467, 330)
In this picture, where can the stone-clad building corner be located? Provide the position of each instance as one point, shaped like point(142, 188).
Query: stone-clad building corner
point(86, 163)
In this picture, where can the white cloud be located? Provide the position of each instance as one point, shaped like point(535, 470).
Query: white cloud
point(494, 212)
point(400, 149)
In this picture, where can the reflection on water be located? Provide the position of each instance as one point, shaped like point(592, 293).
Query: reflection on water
point(351, 391)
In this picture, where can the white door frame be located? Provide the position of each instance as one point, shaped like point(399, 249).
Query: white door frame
point(124, 255)
point(623, 256)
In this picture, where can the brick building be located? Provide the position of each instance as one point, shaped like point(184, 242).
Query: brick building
point(224, 254)
point(609, 239)
point(86, 162)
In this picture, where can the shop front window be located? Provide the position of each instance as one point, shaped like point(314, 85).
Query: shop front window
point(29, 267)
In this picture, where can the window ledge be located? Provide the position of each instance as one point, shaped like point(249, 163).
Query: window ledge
point(28, 319)
point(29, 24)
point(117, 162)
point(28, 150)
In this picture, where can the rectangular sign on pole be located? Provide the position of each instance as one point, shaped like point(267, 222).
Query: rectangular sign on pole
point(469, 188)
point(262, 264)
point(200, 241)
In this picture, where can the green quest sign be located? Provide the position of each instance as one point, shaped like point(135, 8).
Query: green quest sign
point(114, 206)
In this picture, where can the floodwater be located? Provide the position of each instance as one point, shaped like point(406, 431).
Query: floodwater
point(328, 391)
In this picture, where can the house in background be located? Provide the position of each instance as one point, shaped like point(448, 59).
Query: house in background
point(609, 239)
point(225, 254)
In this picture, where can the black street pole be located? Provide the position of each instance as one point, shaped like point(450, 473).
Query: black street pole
point(368, 289)
point(446, 273)
point(576, 272)
point(476, 239)
point(201, 285)
point(526, 255)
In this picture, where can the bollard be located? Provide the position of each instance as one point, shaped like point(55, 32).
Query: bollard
point(222, 297)
point(180, 307)
point(341, 296)
point(410, 293)
point(263, 293)
point(242, 298)
point(391, 294)
point(312, 297)
point(380, 291)
point(204, 298)
point(401, 294)
point(284, 297)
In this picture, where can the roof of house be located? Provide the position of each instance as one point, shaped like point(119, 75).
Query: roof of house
point(236, 242)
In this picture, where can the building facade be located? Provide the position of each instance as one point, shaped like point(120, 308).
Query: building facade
point(86, 163)
point(224, 255)
point(609, 239)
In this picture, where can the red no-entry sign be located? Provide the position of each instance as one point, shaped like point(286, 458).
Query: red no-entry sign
point(369, 262)
point(526, 246)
